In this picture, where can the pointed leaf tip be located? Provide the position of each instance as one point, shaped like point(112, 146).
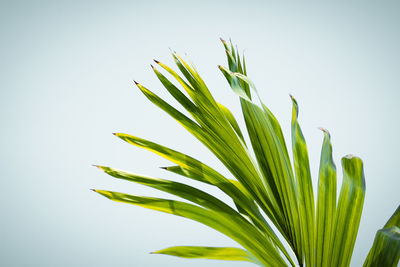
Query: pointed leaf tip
point(98, 167)
point(94, 190)
point(293, 99)
point(135, 82)
point(325, 131)
point(156, 61)
point(164, 168)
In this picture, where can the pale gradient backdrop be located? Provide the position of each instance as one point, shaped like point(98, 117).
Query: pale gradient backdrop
point(66, 71)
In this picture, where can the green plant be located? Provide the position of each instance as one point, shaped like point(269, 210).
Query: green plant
point(319, 235)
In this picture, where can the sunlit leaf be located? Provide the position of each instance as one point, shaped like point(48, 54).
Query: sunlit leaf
point(215, 253)
point(349, 209)
point(269, 197)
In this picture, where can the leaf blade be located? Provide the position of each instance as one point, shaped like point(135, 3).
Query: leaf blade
point(273, 161)
point(250, 239)
point(304, 187)
point(349, 209)
point(326, 204)
point(385, 250)
point(214, 253)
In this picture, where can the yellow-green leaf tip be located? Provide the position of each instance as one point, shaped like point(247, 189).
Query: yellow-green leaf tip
point(325, 131)
point(99, 167)
point(156, 252)
point(293, 99)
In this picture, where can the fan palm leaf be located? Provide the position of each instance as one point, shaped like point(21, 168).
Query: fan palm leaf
point(268, 191)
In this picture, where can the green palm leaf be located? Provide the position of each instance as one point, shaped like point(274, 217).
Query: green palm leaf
point(251, 239)
point(326, 204)
point(304, 186)
point(348, 213)
point(215, 253)
point(194, 169)
point(279, 194)
point(386, 248)
point(269, 193)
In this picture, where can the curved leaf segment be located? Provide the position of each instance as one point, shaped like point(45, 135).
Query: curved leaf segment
point(267, 185)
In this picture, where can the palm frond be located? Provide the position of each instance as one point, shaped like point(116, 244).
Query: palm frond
point(267, 185)
point(214, 253)
point(326, 204)
point(386, 248)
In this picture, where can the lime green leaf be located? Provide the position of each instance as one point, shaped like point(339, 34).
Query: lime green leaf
point(194, 78)
point(194, 169)
point(244, 203)
point(349, 209)
point(230, 58)
point(186, 122)
point(196, 88)
point(214, 253)
point(195, 195)
point(191, 168)
point(178, 189)
point(239, 230)
point(272, 157)
point(197, 175)
point(176, 93)
point(184, 84)
point(229, 116)
point(234, 83)
point(267, 151)
point(215, 130)
point(304, 187)
point(326, 204)
point(265, 183)
point(386, 248)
